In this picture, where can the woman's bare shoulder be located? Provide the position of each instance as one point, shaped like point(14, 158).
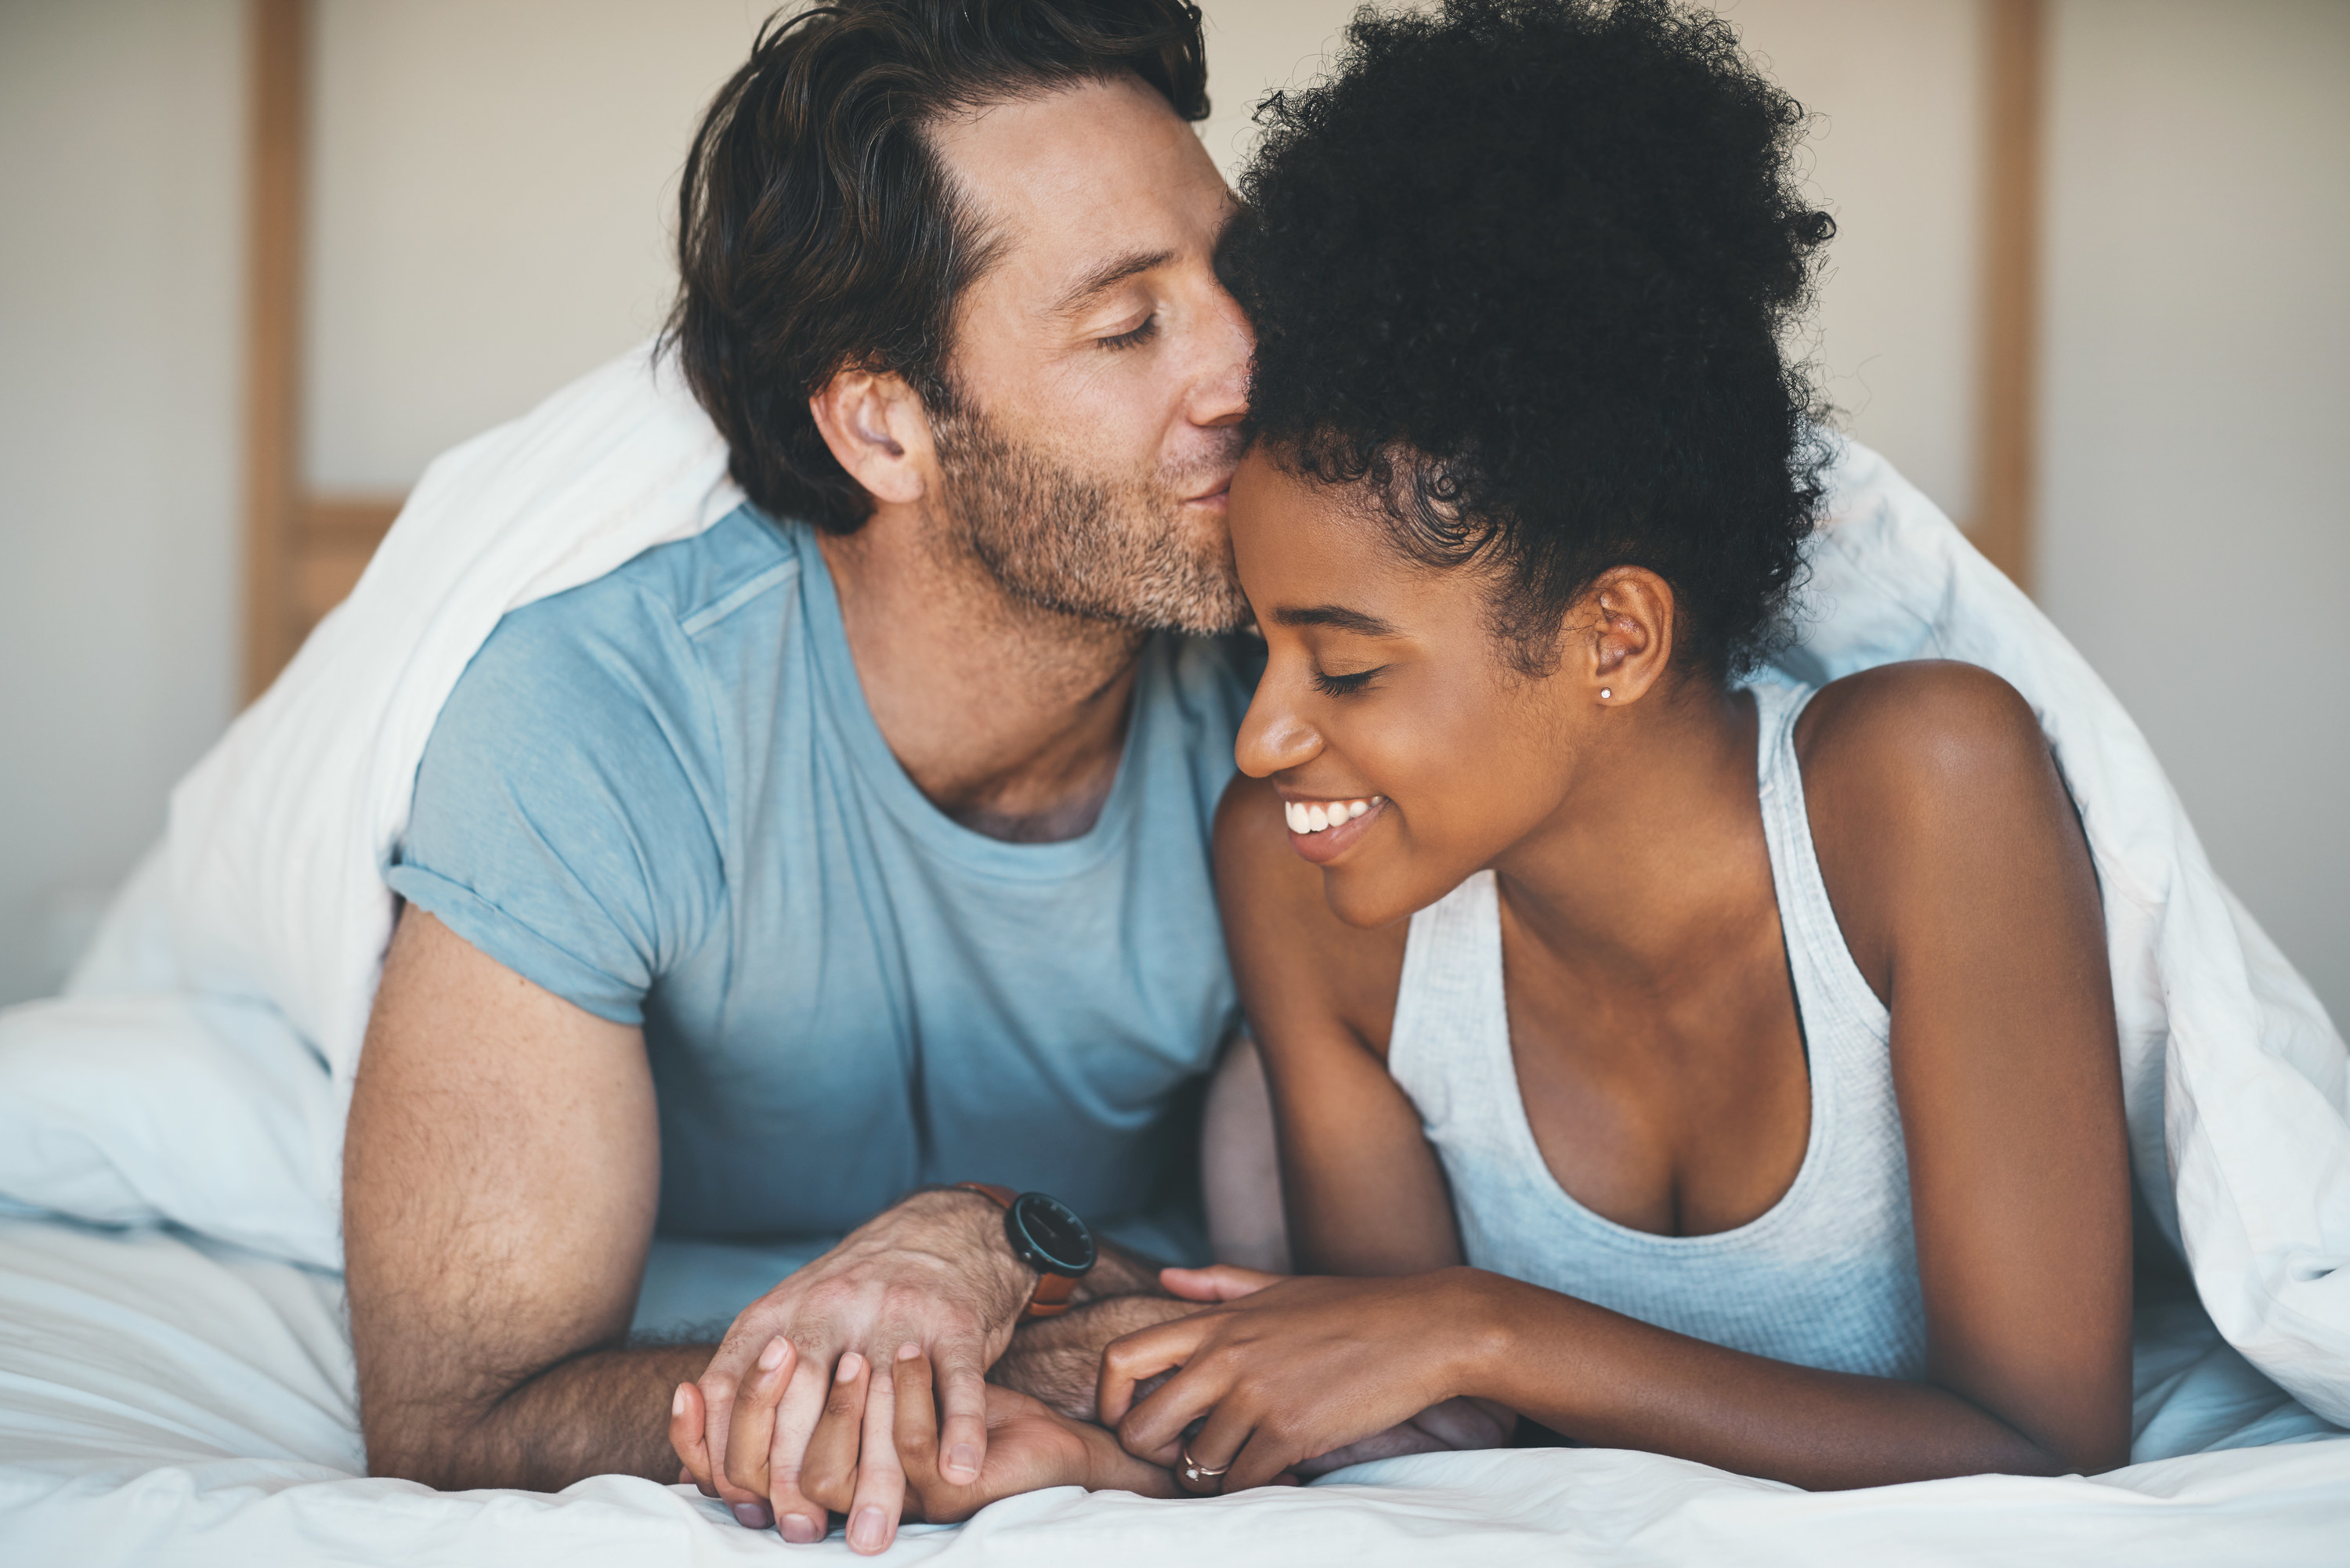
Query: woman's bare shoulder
point(1917, 778)
point(1295, 960)
point(1924, 733)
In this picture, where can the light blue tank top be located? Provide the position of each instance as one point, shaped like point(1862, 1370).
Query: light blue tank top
point(1828, 1276)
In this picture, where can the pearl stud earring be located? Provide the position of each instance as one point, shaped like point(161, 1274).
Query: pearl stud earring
point(1604, 694)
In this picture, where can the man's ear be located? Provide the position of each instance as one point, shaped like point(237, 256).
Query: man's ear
point(1625, 642)
point(879, 431)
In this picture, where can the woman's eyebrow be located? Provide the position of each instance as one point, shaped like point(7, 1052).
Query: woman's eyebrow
point(1357, 621)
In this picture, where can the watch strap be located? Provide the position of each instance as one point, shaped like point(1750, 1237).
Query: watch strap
point(1051, 1297)
point(1052, 1293)
point(1003, 1196)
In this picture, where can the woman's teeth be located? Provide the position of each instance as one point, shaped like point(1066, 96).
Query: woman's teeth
point(1322, 816)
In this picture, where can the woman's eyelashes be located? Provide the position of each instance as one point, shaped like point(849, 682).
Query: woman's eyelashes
point(1135, 338)
point(1345, 685)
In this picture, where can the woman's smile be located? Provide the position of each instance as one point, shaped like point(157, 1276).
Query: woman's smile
point(1322, 828)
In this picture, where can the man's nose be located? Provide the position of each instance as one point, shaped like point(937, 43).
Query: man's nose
point(1221, 395)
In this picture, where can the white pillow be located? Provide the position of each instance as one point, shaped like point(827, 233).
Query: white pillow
point(129, 1110)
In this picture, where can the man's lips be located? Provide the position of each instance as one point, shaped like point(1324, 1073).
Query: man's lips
point(1344, 821)
point(1215, 482)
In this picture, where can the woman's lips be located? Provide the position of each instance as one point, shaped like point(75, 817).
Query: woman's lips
point(1343, 824)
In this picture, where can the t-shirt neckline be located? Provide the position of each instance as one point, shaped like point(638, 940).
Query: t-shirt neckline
point(879, 772)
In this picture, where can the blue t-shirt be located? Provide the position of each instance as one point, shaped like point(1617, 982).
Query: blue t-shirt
point(662, 797)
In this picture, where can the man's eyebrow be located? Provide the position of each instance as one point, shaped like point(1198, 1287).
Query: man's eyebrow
point(1338, 616)
point(1104, 278)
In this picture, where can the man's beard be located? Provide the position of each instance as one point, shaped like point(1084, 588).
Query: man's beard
point(1115, 550)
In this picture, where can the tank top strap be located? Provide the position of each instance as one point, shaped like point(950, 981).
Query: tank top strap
point(1448, 1046)
point(1824, 974)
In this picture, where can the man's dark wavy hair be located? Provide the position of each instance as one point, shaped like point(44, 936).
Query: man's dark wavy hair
point(816, 229)
point(1523, 266)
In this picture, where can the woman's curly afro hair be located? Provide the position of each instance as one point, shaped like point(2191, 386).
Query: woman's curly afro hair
point(1524, 266)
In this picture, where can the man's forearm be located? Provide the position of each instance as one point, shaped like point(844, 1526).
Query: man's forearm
point(501, 1178)
point(1118, 1271)
point(1057, 1360)
point(605, 1412)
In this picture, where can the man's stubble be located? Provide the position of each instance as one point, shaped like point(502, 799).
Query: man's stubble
point(1110, 549)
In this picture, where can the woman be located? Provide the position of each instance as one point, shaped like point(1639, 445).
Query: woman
point(1752, 1046)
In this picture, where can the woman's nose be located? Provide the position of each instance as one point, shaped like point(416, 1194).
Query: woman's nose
point(1272, 737)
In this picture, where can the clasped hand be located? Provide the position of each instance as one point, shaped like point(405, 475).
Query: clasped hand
point(1298, 1377)
point(931, 1274)
point(790, 1417)
point(875, 1450)
point(790, 1423)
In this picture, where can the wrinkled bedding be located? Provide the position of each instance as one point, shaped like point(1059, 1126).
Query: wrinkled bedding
point(166, 1399)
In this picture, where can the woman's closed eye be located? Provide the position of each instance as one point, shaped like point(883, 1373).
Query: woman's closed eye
point(1345, 685)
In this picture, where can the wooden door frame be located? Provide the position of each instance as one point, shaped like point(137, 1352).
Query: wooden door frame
point(2007, 391)
point(303, 550)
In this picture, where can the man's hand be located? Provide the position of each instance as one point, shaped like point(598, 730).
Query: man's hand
point(1030, 1447)
point(934, 1272)
point(875, 1453)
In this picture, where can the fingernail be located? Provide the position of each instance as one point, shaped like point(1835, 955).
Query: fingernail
point(752, 1515)
point(965, 1460)
point(850, 1365)
point(869, 1529)
point(802, 1530)
point(907, 1351)
point(773, 1357)
point(676, 1401)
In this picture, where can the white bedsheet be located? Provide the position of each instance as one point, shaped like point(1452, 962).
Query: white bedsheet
point(167, 1399)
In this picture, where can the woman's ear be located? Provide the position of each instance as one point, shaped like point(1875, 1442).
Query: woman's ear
point(1626, 635)
point(879, 431)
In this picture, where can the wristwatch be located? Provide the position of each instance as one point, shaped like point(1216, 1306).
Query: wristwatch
point(1046, 1234)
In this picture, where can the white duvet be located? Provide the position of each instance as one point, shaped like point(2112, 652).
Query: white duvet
point(187, 1398)
point(168, 1399)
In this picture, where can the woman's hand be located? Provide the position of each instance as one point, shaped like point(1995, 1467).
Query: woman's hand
point(1288, 1372)
point(876, 1448)
point(1220, 1282)
point(1453, 1426)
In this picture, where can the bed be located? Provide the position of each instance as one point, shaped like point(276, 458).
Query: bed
point(167, 1398)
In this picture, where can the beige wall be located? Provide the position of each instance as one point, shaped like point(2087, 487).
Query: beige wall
point(494, 185)
point(119, 188)
point(493, 208)
point(2196, 496)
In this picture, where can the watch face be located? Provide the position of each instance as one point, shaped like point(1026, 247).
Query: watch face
point(1057, 1233)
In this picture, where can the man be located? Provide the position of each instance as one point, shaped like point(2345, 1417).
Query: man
point(858, 845)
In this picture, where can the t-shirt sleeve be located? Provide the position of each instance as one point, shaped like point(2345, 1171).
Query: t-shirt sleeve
point(567, 811)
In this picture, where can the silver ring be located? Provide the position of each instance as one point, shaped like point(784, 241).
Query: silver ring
point(1192, 1473)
